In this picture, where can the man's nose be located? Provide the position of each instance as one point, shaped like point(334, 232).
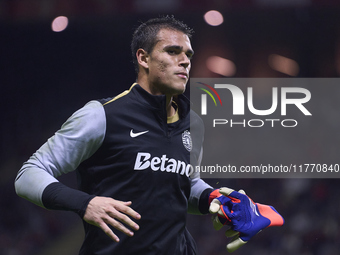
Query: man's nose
point(184, 60)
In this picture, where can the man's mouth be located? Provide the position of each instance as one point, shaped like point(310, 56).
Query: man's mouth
point(182, 75)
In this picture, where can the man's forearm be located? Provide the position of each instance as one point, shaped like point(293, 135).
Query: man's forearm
point(199, 197)
point(58, 196)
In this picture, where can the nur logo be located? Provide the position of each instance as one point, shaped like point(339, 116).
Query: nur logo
point(281, 96)
point(204, 97)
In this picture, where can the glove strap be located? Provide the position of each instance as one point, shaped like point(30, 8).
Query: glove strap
point(270, 213)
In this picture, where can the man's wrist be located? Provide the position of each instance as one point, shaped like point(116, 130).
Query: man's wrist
point(204, 203)
point(57, 196)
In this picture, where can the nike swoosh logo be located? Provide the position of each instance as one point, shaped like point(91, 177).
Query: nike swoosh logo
point(132, 134)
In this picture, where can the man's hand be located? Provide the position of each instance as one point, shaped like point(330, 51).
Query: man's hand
point(245, 217)
point(104, 211)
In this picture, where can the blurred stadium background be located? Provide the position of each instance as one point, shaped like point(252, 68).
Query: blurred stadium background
point(51, 67)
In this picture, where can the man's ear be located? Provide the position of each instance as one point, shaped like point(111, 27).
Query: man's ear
point(142, 58)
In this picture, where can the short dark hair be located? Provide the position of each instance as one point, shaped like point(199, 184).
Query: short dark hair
point(145, 36)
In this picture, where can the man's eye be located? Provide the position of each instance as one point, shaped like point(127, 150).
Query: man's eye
point(171, 52)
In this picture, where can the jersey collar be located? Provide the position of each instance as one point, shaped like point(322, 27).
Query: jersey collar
point(157, 103)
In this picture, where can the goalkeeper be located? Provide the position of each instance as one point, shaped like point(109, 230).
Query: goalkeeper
point(133, 154)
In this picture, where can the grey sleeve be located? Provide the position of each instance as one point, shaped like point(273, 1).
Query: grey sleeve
point(197, 188)
point(79, 137)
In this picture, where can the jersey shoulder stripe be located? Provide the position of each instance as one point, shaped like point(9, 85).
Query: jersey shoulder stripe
point(120, 95)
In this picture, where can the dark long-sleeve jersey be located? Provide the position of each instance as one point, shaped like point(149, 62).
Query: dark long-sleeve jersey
point(125, 148)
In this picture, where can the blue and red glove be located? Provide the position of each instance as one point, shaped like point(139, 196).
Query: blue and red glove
point(216, 199)
point(245, 217)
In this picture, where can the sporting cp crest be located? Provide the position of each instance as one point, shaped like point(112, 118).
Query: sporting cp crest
point(186, 139)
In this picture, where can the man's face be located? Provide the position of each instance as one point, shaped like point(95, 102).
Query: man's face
point(169, 63)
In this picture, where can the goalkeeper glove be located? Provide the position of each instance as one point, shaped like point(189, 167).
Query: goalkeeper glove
point(245, 217)
point(216, 199)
